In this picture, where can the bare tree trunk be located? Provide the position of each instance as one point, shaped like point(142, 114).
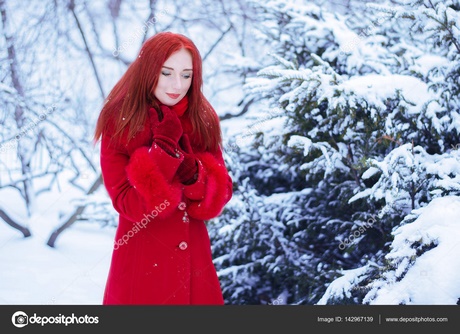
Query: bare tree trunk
point(24, 158)
point(80, 209)
point(24, 230)
point(75, 216)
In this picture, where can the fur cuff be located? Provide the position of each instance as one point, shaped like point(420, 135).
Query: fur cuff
point(216, 192)
point(146, 177)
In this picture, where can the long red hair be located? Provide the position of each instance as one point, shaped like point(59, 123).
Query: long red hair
point(130, 99)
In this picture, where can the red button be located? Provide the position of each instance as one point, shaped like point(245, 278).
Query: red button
point(183, 245)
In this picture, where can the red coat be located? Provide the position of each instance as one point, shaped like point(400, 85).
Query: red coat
point(159, 257)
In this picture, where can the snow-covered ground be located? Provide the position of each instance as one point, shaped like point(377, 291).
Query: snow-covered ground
point(73, 272)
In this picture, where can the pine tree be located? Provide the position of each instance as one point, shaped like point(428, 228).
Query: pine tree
point(421, 169)
point(367, 107)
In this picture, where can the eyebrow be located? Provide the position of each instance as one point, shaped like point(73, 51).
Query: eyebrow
point(170, 68)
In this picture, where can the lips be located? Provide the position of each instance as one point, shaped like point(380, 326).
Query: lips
point(173, 96)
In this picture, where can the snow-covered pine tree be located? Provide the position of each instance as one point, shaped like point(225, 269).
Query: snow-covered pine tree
point(354, 94)
point(425, 37)
point(260, 254)
point(312, 157)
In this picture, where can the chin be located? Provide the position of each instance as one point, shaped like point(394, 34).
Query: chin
point(168, 102)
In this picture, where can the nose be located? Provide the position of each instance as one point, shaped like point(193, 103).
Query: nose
point(177, 82)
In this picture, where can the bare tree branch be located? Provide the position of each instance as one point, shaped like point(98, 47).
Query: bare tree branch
point(75, 216)
point(217, 42)
point(19, 111)
point(88, 51)
point(24, 230)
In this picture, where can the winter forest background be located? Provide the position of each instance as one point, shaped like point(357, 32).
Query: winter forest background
point(341, 128)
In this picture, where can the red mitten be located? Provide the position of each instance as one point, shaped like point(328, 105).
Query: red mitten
point(188, 169)
point(166, 128)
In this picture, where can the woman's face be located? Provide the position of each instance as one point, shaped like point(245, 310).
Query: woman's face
point(175, 78)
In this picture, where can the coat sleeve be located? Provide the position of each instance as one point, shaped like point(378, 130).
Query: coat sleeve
point(213, 188)
point(141, 182)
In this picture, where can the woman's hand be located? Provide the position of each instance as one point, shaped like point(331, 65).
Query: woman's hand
point(188, 169)
point(167, 132)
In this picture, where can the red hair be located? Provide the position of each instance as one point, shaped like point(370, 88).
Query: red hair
point(132, 96)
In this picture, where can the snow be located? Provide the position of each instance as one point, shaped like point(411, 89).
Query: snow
point(377, 88)
point(365, 64)
point(31, 272)
point(433, 278)
point(343, 285)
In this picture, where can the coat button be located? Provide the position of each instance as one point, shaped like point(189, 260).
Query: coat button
point(185, 218)
point(182, 206)
point(183, 245)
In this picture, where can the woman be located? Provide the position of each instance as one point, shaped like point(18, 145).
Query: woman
point(163, 169)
